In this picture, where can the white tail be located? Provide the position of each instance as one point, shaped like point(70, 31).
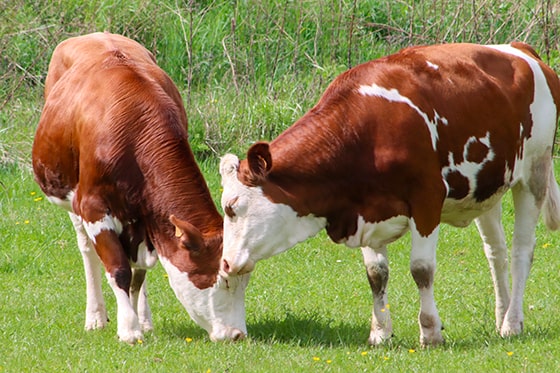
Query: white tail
point(551, 207)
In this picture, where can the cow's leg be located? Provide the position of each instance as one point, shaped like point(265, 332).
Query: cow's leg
point(422, 268)
point(492, 232)
point(103, 230)
point(377, 268)
point(119, 275)
point(96, 312)
point(527, 210)
point(139, 299)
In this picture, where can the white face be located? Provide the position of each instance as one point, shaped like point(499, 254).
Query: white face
point(254, 227)
point(219, 309)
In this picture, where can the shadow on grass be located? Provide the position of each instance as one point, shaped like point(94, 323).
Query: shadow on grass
point(297, 330)
point(312, 329)
point(307, 330)
point(485, 336)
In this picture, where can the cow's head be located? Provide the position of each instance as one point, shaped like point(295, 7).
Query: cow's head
point(255, 226)
point(214, 303)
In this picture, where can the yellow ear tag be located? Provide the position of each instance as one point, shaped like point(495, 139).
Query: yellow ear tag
point(178, 232)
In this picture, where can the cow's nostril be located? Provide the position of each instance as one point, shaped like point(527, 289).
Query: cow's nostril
point(238, 335)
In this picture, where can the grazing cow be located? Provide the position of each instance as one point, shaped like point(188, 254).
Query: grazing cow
point(112, 148)
point(428, 135)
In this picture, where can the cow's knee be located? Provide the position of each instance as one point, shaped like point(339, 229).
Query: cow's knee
point(422, 273)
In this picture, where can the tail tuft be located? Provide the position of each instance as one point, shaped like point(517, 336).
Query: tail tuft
point(551, 207)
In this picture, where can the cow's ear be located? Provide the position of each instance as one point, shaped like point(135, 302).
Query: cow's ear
point(259, 159)
point(190, 237)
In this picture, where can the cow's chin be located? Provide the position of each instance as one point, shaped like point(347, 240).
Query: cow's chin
point(219, 309)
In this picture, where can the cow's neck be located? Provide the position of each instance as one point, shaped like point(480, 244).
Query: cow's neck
point(309, 182)
point(175, 185)
point(323, 183)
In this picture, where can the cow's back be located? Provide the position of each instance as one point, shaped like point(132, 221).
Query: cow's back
point(84, 50)
point(101, 92)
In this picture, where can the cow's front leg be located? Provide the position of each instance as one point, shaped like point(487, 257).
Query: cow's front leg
point(377, 268)
point(119, 275)
point(103, 232)
point(422, 268)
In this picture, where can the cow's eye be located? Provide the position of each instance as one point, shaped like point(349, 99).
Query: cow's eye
point(229, 208)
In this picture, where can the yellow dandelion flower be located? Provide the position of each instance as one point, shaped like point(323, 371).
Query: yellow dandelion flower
point(387, 306)
point(316, 358)
point(545, 245)
point(385, 358)
point(209, 371)
point(140, 341)
point(33, 193)
point(329, 361)
point(510, 353)
point(188, 339)
point(364, 353)
point(412, 350)
point(38, 199)
point(26, 222)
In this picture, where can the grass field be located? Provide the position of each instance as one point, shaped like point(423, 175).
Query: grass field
point(247, 70)
point(307, 310)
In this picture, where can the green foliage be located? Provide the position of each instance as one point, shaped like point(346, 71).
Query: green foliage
point(237, 62)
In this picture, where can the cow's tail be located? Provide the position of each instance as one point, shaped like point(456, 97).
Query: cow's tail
point(551, 206)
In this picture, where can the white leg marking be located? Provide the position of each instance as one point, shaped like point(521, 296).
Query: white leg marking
point(377, 267)
point(492, 233)
point(96, 312)
point(422, 267)
point(128, 327)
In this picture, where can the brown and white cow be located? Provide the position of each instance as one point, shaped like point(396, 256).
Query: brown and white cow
point(112, 148)
point(428, 135)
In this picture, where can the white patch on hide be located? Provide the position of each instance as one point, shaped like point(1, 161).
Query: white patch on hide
point(377, 234)
point(393, 95)
point(66, 203)
point(432, 65)
point(108, 222)
point(145, 259)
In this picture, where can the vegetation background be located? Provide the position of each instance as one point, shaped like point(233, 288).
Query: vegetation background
point(247, 70)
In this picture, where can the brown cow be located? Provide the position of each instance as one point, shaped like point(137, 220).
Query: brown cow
point(112, 148)
point(428, 135)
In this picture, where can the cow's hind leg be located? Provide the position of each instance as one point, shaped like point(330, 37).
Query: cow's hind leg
point(377, 268)
point(96, 312)
point(527, 207)
point(492, 233)
point(422, 268)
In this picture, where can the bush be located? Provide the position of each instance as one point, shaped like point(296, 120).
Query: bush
point(248, 69)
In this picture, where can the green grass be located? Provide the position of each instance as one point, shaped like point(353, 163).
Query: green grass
point(307, 310)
